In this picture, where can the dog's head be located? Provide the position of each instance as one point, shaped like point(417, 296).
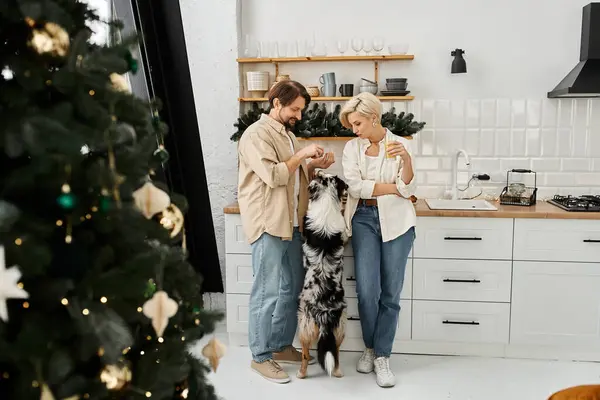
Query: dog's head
point(324, 184)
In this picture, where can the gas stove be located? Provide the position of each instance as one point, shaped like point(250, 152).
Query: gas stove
point(587, 203)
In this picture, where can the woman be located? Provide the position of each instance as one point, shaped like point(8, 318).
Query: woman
point(380, 218)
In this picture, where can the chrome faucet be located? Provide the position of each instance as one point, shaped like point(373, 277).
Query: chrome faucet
point(455, 171)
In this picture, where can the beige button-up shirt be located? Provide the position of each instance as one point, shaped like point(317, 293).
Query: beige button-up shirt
point(265, 186)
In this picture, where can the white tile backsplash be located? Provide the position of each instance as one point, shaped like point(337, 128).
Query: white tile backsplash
point(558, 139)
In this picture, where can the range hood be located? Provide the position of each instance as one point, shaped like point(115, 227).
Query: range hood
point(584, 79)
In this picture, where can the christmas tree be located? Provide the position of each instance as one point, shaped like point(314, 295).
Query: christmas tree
point(97, 299)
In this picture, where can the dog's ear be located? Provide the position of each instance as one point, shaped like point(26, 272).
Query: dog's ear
point(341, 187)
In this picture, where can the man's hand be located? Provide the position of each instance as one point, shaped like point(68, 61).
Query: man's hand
point(323, 162)
point(311, 151)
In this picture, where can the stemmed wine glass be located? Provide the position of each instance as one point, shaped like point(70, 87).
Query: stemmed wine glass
point(368, 46)
point(357, 45)
point(342, 46)
point(378, 44)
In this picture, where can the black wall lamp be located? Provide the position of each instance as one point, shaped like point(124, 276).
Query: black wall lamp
point(459, 65)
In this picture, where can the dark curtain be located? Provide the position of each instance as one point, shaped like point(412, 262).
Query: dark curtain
point(165, 74)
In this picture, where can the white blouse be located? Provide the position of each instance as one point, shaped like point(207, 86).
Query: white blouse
point(396, 214)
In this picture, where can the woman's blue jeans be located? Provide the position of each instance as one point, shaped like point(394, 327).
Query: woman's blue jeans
point(380, 268)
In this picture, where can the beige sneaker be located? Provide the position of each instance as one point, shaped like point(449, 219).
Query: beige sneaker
point(271, 371)
point(290, 355)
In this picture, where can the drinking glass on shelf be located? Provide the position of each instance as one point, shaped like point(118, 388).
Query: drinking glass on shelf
point(342, 46)
point(378, 44)
point(357, 45)
point(368, 46)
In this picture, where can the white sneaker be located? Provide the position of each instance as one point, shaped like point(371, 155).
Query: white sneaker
point(385, 376)
point(365, 362)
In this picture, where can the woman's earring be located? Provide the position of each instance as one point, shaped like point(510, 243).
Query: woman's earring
point(374, 124)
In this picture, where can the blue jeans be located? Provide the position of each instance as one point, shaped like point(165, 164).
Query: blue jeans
point(278, 279)
point(380, 268)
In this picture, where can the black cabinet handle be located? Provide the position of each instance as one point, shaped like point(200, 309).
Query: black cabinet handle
point(591, 241)
point(522, 171)
point(463, 280)
point(462, 238)
point(353, 319)
point(351, 278)
point(460, 322)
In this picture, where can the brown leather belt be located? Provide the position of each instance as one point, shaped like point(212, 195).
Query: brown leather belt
point(368, 202)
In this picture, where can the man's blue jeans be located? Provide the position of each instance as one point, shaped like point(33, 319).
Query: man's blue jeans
point(278, 279)
point(380, 268)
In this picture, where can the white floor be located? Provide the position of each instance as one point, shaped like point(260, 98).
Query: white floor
point(419, 378)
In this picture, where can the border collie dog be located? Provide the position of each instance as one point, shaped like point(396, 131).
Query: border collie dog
point(322, 308)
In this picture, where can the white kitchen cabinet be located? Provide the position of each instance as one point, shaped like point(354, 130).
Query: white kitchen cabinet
point(464, 238)
point(465, 322)
point(499, 287)
point(462, 280)
point(556, 304)
point(557, 240)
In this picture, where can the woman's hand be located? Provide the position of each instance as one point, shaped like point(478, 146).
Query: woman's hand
point(397, 149)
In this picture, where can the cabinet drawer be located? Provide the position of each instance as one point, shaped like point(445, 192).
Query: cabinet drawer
point(557, 240)
point(350, 279)
point(466, 280)
point(464, 322)
point(237, 317)
point(465, 238)
point(354, 331)
point(238, 273)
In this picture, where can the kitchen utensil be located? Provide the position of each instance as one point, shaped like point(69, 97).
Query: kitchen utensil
point(313, 91)
point(327, 78)
point(347, 89)
point(517, 193)
point(328, 90)
point(398, 48)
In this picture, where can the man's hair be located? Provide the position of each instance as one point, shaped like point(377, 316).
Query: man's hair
point(287, 91)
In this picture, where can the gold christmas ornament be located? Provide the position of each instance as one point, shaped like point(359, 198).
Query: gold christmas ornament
point(214, 351)
point(52, 39)
point(159, 309)
point(150, 200)
point(119, 83)
point(115, 377)
point(171, 219)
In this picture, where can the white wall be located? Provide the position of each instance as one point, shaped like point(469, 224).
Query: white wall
point(498, 111)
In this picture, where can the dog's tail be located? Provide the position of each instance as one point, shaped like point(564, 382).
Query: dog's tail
point(327, 350)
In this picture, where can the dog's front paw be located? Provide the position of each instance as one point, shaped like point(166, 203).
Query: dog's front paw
point(338, 373)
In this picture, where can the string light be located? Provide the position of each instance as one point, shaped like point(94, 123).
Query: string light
point(183, 338)
point(103, 300)
point(92, 92)
point(64, 302)
point(160, 340)
point(148, 394)
point(25, 304)
point(197, 322)
point(126, 350)
point(142, 353)
point(35, 384)
point(100, 351)
point(85, 311)
point(148, 337)
point(88, 216)
point(139, 309)
point(20, 285)
point(18, 241)
point(59, 223)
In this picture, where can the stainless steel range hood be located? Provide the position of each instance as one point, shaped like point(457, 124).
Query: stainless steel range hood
point(584, 79)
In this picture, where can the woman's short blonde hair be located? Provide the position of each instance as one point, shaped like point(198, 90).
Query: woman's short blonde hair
point(365, 104)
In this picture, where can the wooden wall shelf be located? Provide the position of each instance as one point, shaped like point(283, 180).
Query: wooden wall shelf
point(316, 99)
point(325, 59)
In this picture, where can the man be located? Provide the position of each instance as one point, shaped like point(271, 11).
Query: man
point(273, 199)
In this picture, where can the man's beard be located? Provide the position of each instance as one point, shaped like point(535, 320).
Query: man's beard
point(289, 124)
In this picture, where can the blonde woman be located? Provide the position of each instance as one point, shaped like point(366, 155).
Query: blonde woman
point(378, 168)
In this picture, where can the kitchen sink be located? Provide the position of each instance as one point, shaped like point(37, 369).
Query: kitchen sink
point(445, 204)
